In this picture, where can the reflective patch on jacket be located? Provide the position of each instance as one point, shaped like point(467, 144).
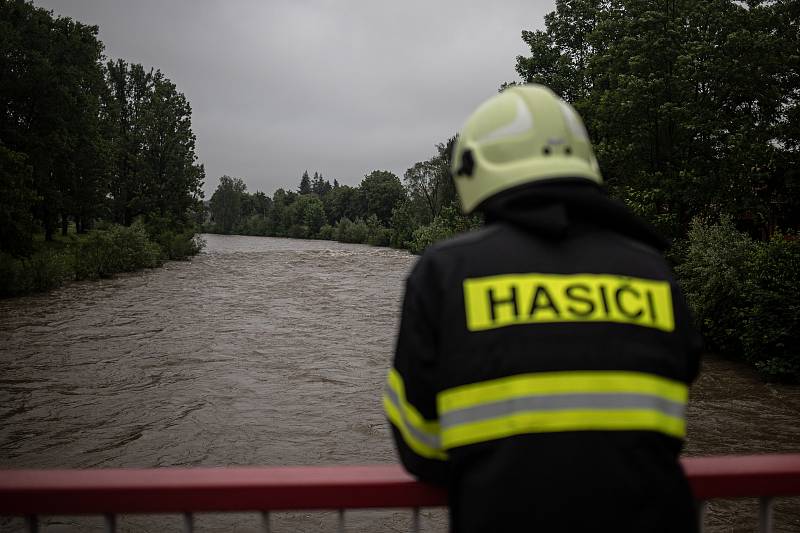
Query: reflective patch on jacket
point(513, 299)
point(421, 435)
point(550, 402)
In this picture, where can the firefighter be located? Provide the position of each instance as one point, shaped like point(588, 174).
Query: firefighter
point(543, 362)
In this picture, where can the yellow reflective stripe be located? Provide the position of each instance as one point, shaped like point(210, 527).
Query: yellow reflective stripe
point(561, 401)
point(558, 421)
point(511, 299)
point(421, 435)
point(547, 383)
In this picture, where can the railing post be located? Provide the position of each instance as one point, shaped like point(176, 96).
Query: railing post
point(702, 507)
point(341, 521)
point(415, 520)
point(32, 523)
point(111, 523)
point(765, 515)
point(188, 522)
point(265, 525)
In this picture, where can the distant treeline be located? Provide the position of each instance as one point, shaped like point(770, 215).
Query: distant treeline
point(381, 210)
point(694, 110)
point(86, 142)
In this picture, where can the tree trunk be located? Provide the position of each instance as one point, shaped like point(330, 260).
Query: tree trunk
point(64, 224)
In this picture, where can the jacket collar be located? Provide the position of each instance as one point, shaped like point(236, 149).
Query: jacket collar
point(555, 208)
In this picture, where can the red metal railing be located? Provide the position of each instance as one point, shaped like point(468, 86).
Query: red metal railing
point(177, 490)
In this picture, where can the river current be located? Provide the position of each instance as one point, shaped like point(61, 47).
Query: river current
point(264, 351)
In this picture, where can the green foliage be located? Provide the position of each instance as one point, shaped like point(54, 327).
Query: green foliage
point(650, 204)
point(771, 333)
point(43, 270)
point(298, 231)
point(746, 295)
point(327, 233)
point(305, 184)
point(308, 213)
point(83, 140)
point(377, 235)
point(382, 191)
point(350, 231)
point(429, 184)
point(712, 277)
point(118, 249)
point(447, 223)
point(226, 204)
point(153, 161)
point(17, 197)
point(50, 85)
point(176, 241)
point(404, 222)
point(690, 104)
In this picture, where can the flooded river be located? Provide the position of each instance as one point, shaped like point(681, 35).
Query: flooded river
point(266, 351)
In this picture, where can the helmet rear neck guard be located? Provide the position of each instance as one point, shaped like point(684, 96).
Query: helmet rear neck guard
point(523, 135)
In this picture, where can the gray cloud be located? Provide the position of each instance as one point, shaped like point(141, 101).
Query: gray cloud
point(342, 87)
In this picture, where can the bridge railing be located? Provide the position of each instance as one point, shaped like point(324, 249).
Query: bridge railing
point(111, 492)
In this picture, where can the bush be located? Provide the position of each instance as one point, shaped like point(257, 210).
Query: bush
point(404, 221)
point(447, 223)
point(712, 276)
point(327, 233)
point(771, 326)
point(175, 240)
point(298, 231)
point(119, 249)
point(99, 254)
point(44, 270)
point(745, 295)
point(353, 232)
point(377, 235)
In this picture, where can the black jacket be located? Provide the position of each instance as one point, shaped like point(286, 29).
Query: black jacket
point(542, 368)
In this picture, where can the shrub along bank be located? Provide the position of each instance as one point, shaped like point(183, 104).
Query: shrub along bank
point(100, 253)
point(746, 295)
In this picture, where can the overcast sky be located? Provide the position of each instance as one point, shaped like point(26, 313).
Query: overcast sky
point(341, 87)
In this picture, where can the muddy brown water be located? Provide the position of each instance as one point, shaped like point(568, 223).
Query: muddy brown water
point(266, 351)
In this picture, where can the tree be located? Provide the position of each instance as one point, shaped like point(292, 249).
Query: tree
point(429, 183)
point(382, 191)
point(50, 80)
point(261, 204)
point(226, 204)
point(305, 184)
point(17, 196)
point(129, 88)
point(306, 216)
point(172, 179)
point(277, 214)
point(320, 186)
point(343, 202)
point(690, 101)
point(155, 170)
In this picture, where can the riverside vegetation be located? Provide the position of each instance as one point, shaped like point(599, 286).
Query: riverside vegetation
point(98, 171)
point(694, 110)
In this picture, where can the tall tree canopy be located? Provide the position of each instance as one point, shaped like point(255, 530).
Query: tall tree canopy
point(692, 105)
point(382, 191)
point(226, 203)
point(80, 140)
point(50, 85)
point(155, 169)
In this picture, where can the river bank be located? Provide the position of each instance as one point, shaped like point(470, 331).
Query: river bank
point(265, 351)
point(100, 253)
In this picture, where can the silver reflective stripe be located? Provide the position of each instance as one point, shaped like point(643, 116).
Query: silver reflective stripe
point(560, 402)
point(426, 438)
